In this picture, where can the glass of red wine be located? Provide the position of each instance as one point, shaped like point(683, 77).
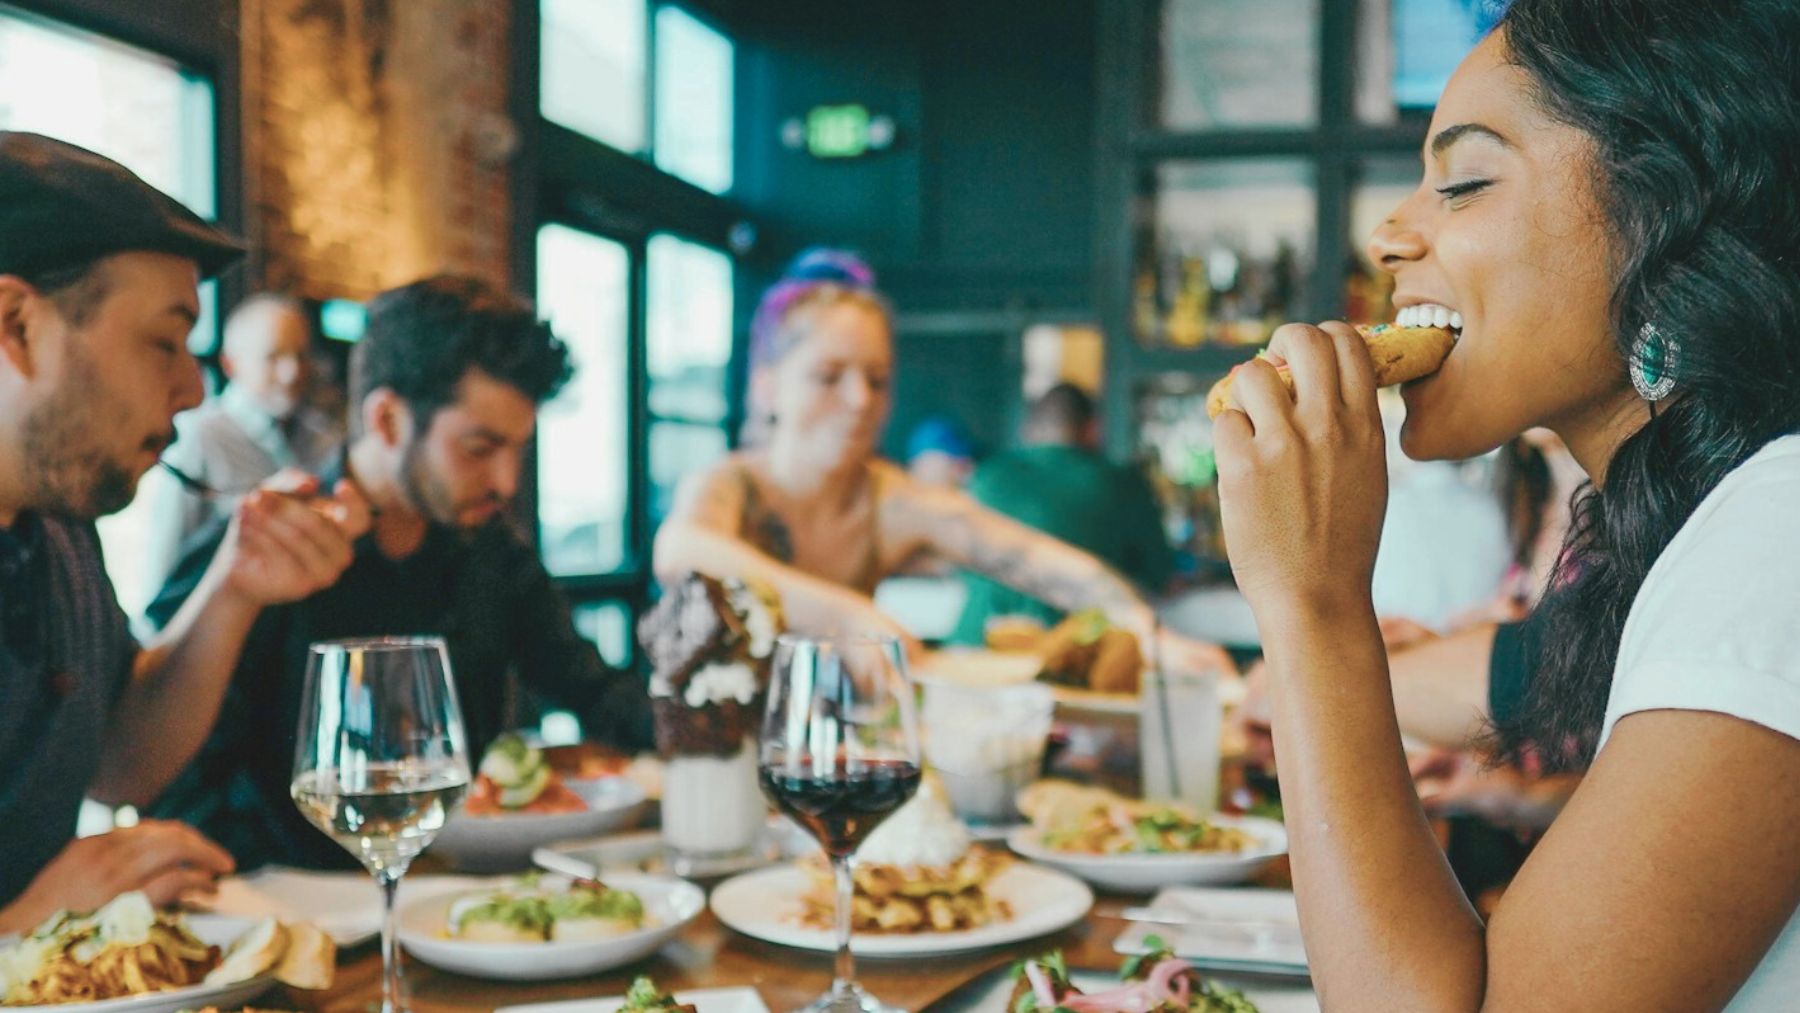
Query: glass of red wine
point(840, 752)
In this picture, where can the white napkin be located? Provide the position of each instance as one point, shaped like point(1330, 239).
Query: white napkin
point(344, 905)
point(1239, 928)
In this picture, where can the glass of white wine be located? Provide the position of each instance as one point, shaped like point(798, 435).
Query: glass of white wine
point(381, 763)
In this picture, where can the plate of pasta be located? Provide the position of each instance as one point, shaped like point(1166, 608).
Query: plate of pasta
point(127, 957)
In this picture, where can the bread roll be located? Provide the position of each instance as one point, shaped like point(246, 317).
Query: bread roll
point(1399, 354)
point(1117, 664)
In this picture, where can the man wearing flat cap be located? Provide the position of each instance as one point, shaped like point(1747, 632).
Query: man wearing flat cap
point(98, 279)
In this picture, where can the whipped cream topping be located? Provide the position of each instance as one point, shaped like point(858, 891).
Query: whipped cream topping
point(923, 832)
point(759, 622)
point(716, 683)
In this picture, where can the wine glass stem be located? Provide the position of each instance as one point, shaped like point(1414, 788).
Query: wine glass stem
point(391, 1001)
point(845, 978)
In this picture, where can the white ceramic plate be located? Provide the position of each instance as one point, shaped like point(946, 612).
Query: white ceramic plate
point(979, 667)
point(344, 905)
point(988, 993)
point(217, 930)
point(1220, 615)
point(671, 903)
point(1225, 928)
point(500, 843)
point(766, 904)
point(706, 1000)
point(643, 851)
point(1145, 873)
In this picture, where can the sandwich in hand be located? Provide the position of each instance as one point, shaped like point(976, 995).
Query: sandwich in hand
point(1399, 354)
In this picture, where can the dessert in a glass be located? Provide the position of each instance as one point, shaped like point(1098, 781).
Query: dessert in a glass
point(709, 641)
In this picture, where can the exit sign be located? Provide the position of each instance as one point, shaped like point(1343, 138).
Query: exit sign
point(839, 131)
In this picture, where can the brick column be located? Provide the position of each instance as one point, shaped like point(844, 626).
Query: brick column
point(376, 142)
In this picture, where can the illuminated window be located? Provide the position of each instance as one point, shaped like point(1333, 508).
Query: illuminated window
point(149, 114)
point(595, 79)
point(593, 69)
point(689, 337)
point(582, 449)
point(693, 100)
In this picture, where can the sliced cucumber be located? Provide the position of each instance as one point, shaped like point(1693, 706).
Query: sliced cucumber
point(513, 796)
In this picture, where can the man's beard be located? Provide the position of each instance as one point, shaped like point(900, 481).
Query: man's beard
point(427, 495)
point(66, 470)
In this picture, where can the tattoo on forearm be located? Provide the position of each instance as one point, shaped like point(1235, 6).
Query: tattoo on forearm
point(1012, 565)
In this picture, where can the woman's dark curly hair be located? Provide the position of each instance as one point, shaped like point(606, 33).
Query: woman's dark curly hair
point(423, 338)
point(1694, 112)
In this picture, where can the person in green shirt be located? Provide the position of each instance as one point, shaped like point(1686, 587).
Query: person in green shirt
point(1060, 484)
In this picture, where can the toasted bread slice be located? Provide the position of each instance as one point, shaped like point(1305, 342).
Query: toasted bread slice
point(311, 958)
point(1118, 664)
point(255, 951)
point(1053, 805)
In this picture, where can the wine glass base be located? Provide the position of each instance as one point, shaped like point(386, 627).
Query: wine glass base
point(848, 999)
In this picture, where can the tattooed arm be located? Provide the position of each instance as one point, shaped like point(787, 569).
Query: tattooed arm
point(953, 525)
point(956, 527)
point(719, 526)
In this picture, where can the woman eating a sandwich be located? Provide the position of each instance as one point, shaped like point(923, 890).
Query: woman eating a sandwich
point(1608, 206)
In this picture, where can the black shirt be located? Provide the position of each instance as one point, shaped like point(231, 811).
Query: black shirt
point(65, 656)
point(486, 594)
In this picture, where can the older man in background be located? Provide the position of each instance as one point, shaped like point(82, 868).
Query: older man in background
point(258, 425)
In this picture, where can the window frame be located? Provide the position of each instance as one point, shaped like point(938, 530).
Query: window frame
point(203, 40)
point(1131, 145)
point(647, 153)
point(625, 579)
point(567, 178)
point(705, 20)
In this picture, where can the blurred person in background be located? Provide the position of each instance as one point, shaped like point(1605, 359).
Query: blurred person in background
point(1444, 548)
point(1058, 482)
point(1538, 479)
point(446, 384)
point(258, 425)
point(811, 510)
point(939, 452)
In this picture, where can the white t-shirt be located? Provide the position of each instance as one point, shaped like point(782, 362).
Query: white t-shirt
point(1716, 627)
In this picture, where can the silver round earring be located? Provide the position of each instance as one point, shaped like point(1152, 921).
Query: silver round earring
point(1652, 364)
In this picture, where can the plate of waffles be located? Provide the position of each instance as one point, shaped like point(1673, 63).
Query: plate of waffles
point(770, 904)
point(923, 887)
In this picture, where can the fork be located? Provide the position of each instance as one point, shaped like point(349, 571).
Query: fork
point(194, 485)
point(205, 491)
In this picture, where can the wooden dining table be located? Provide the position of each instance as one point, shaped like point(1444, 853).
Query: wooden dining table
point(706, 954)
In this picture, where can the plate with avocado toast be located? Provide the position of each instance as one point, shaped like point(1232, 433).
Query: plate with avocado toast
point(545, 927)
